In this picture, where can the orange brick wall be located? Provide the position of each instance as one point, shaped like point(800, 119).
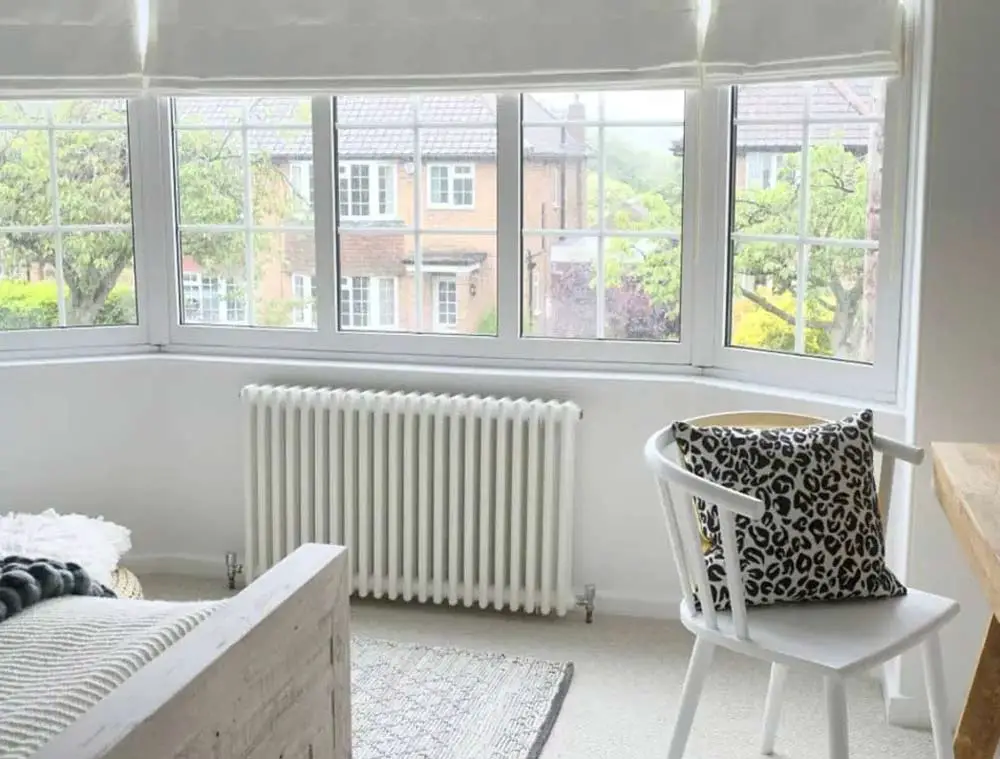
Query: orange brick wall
point(382, 255)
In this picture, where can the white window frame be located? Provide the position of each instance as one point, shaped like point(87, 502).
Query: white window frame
point(437, 282)
point(701, 349)
point(875, 381)
point(66, 340)
point(374, 294)
point(302, 315)
point(772, 161)
point(375, 187)
point(223, 296)
point(454, 172)
point(301, 180)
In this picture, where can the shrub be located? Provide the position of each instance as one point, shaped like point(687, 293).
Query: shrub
point(35, 305)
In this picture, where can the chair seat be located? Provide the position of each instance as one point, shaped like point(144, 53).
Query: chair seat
point(840, 637)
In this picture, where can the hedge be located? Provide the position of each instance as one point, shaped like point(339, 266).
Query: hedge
point(35, 305)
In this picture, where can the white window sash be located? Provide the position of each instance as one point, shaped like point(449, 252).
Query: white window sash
point(376, 170)
point(700, 350)
point(454, 175)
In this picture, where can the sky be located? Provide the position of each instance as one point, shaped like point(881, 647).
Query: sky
point(660, 105)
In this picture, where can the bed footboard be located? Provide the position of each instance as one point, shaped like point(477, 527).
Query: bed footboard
point(266, 676)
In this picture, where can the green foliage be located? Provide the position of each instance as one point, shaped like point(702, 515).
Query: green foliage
point(35, 305)
point(487, 323)
point(838, 209)
point(755, 327)
point(94, 186)
point(655, 261)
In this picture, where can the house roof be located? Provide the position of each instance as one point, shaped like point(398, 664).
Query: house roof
point(783, 102)
point(388, 141)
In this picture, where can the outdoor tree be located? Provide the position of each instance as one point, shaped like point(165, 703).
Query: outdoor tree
point(844, 204)
point(641, 192)
point(93, 179)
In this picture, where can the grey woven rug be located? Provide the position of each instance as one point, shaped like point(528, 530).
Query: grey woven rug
point(419, 702)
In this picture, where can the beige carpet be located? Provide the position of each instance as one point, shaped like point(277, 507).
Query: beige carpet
point(627, 682)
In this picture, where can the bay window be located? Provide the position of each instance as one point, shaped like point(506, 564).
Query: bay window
point(744, 221)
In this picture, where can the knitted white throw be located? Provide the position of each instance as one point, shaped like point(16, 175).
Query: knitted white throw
point(59, 658)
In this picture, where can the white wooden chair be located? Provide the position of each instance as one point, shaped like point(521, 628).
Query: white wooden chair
point(835, 640)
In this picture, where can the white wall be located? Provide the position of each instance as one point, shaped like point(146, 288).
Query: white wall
point(957, 388)
point(154, 443)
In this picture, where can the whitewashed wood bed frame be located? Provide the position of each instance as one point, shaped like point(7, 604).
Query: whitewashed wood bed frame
point(265, 676)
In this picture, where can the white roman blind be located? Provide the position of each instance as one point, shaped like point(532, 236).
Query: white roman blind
point(344, 45)
point(776, 40)
point(69, 46)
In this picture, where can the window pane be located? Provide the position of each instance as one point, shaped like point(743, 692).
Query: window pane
point(445, 303)
point(826, 226)
point(373, 279)
point(436, 216)
point(67, 255)
point(245, 189)
point(387, 303)
point(642, 288)
point(595, 166)
point(765, 307)
point(839, 168)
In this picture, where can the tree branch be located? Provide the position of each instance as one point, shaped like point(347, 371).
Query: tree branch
point(781, 313)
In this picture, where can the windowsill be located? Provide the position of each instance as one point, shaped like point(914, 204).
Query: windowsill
point(667, 375)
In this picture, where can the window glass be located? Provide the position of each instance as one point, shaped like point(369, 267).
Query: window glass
point(602, 204)
point(417, 205)
point(807, 177)
point(66, 246)
point(245, 187)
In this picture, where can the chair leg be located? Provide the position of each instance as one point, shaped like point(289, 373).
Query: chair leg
point(772, 707)
point(836, 716)
point(937, 698)
point(701, 660)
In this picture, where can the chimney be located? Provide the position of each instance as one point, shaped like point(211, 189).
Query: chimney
point(577, 111)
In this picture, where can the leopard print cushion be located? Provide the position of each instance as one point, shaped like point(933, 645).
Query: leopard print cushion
point(820, 538)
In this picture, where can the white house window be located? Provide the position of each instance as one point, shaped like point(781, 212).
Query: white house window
point(301, 179)
point(304, 293)
point(762, 169)
point(452, 185)
point(366, 190)
point(212, 300)
point(367, 302)
point(445, 303)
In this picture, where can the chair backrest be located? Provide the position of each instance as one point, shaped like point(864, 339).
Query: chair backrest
point(682, 526)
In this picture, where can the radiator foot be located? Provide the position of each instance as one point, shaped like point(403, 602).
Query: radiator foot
point(587, 601)
point(232, 569)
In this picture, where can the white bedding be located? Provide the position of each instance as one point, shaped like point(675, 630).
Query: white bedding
point(59, 658)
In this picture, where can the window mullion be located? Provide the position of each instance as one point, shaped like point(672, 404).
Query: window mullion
point(802, 250)
point(706, 248)
point(508, 218)
point(325, 217)
point(158, 287)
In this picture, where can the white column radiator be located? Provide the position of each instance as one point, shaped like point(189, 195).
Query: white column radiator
point(439, 498)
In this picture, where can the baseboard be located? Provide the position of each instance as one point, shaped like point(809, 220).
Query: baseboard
point(185, 565)
point(621, 605)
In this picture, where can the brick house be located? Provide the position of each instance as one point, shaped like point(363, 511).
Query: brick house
point(761, 149)
point(376, 182)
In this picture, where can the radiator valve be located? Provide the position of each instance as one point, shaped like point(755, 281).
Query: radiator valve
point(232, 569)
point(587, 601)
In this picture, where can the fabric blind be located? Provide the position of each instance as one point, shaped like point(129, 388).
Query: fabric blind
point(69, 47)
point(344, 45)
point(778, 40)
